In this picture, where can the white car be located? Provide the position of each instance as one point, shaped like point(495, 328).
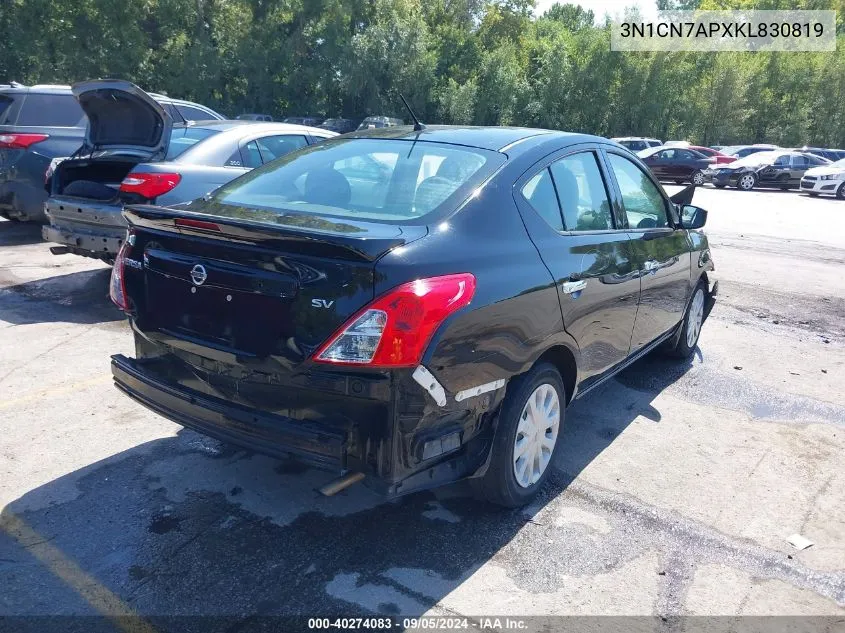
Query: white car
point(827, 180)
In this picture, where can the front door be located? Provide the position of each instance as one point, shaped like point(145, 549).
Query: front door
point(564, 200)
point(661, 251)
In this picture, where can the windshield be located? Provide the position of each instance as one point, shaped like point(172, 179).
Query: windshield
point(369, 179)
point(181, 138)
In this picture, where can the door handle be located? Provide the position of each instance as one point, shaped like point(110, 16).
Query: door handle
point(571, 287)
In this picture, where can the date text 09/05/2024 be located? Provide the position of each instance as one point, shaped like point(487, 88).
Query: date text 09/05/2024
point(418, 623)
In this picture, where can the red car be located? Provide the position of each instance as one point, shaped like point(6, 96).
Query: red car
point(719, 157)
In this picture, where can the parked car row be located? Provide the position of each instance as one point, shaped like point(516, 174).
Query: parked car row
point(41, 123)
point(339, 125)
point(134, 153)
point(748, 167)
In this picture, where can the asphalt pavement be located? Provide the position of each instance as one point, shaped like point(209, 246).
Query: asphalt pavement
point(676, 491)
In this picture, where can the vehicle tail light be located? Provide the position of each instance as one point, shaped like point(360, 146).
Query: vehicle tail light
point(395, 329)
point(20, 141)
point(149, 185)
point(117, 285)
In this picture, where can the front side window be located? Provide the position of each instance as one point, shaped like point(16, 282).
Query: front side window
point(389, 180)
point(643, 202)
point(582, 194)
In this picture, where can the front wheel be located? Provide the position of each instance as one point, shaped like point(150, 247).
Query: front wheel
point(527, 438)
point(691, 325)
point(840, 193)
point(746, 182)
point(697, 177)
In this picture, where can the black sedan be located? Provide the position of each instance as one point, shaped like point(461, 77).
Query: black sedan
point(679, 164)
point(778, 169)
point(411, 306)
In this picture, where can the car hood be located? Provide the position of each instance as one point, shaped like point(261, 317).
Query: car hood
point(825, 170)
point(122, 118)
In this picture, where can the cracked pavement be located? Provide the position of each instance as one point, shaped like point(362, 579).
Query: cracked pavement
point(674, 495)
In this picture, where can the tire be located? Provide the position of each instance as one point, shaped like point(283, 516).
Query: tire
point(840, 193)
point(691, 325)
point(719, 186)
point(89, 189)
point(679, 181)
point(501, 485)
point(746, 182)
point(697, 178)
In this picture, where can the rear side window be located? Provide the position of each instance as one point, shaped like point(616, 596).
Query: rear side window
point(540, 194)
point(51, 110)
point(6, 109)
point(194, 114)
point(644, 204)
point(272, 147)
point(183, 138)
point(582, 194)
point(388, 180)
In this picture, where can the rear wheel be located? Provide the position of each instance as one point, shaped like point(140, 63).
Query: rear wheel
point(746, 182)
point(691, 326)
point(697, 177)
point(527, 438)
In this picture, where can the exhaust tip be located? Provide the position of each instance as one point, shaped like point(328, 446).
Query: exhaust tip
point(342, 483)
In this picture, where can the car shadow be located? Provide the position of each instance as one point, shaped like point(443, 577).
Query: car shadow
point(228, 539)
point(80, 297)
point(14, 233)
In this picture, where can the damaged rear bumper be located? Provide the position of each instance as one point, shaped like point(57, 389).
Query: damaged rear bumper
point(88, 229)
point(265, 433)
point(411, 447)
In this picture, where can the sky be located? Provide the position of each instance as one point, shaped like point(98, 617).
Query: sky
point(648, 8)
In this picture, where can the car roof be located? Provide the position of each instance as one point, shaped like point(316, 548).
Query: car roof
point(38, 88)
point(255, 126)
point(498, 139)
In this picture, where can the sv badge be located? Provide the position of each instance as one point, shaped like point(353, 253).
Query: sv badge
point(321, 303)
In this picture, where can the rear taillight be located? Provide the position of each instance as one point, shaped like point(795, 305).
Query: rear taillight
point(117, 285)
point(395, 329)
point(20, 141)
point(149, 185)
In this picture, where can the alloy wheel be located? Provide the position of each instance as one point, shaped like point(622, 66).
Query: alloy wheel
point(746, 182)
point(695, 318)
point(536, 435)
point(698, 178)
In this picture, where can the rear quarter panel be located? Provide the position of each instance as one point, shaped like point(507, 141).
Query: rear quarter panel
point(514, 315)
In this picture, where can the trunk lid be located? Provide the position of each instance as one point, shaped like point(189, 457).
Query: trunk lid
point(122, 118)
point(212, 285)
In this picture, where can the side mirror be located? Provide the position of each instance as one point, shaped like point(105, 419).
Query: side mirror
point(693, 217)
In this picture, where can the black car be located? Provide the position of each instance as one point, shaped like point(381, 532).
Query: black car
point(778, 169)
point(410, 307)
point(341, 126)
point(40, 125)
point(676, 163)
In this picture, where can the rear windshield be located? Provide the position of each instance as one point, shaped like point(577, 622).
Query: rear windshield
point(51, 110)
point(370, 179)
point(181, 138)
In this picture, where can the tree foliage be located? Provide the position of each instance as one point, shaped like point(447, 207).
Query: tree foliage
point(486, 62)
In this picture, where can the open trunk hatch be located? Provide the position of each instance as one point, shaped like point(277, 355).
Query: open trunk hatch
point(202, 283)
point(122, 118)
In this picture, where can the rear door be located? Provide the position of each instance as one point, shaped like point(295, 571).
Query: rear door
point(565, 200)
point(661, 252)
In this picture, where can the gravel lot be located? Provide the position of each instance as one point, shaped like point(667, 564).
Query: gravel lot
point(677, 488)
